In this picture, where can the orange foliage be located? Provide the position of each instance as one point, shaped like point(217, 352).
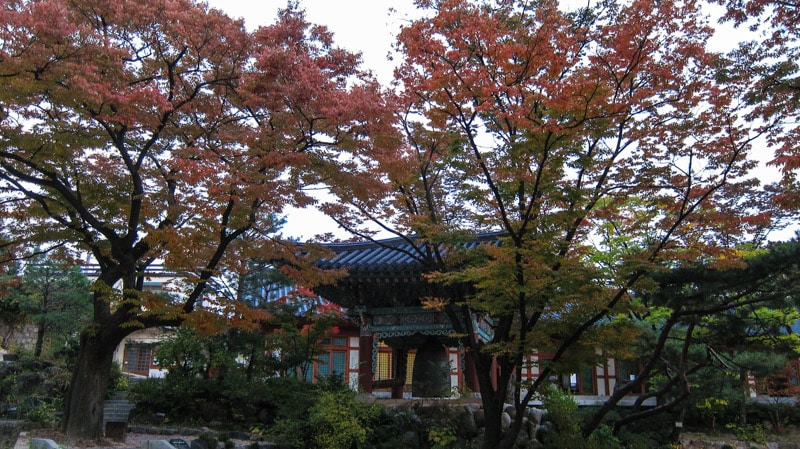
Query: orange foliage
point(139, 131)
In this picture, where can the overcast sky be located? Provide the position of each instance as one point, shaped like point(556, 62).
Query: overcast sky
point(366, 26)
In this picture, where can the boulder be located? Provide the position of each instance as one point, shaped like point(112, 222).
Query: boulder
point(43, 443)
point(467, 427)
point(505, 421)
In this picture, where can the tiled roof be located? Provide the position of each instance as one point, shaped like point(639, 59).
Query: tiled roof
point(397, 253)
point(400, 254)
point(384, 273)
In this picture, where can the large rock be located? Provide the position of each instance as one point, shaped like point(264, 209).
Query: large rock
point(505, 420)
point(511, 410)
point(410, 440)
point(43, 443)
point(156, 444)
point(480, 417)
point(467, 427)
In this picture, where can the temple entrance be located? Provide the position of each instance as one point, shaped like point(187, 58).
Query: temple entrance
point(401, 340)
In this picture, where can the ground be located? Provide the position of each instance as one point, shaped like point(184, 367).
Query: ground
point(689, 440)
point(132, 440)
point(698, 440)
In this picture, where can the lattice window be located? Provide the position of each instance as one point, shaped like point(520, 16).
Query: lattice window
point(323, 366)
point(410, 368)
point(383, 368)
point(339, 362)
point(138, 358)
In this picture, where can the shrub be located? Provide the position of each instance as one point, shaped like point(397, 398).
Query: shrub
point(565, 425)
point(209, 440)
point(655, 431)
point(338, 421)
point(40, 410)
point(399, 424)
point(711, 409)
point(31, 389)
point(441, 437)
point(179, 398)
point(751, 433)
point(116, 380)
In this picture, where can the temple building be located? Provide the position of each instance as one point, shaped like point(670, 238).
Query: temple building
point(388, 343)
point(408, 350)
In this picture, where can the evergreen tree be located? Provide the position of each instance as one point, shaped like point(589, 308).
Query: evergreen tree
point(56, 296)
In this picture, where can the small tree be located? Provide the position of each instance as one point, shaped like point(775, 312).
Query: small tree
point(57, 297)
point(698, 319)
point(298, 326)
point(784, 388)
point(11, 312)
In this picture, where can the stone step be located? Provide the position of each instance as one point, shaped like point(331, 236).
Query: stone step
point(117, 395)
point(118, 402)
point(117, 408)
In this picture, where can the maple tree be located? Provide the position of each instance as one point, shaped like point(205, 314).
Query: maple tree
point(766, 66)
point(599, 144)
point(162, 130)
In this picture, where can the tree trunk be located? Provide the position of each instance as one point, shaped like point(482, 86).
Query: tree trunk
point(37, 351)
point(83, 404)
point(493, 410)
point(492, 399)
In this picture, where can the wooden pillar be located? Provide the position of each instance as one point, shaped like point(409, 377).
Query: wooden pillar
point(365, 368)
point(470, 375)
point(495, 370)
point(400, 360)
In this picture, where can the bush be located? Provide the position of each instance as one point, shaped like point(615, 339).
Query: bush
point(655, 431)
point(287, 400)
point(441, 437)
point(778, 414)
point(338, 421)
point(31, 389)
point(392, 426)
point(116, 380)
point(40, 410)
point(564, 419)
point(752, 433)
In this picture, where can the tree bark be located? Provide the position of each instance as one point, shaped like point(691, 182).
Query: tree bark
point(492, 399)
point(83, 404)
point(493, 410)
point(37, 351)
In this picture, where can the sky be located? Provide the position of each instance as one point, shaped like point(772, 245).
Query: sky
point(366, 26)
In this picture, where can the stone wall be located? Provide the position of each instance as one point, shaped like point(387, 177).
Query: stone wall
point(22, 336)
